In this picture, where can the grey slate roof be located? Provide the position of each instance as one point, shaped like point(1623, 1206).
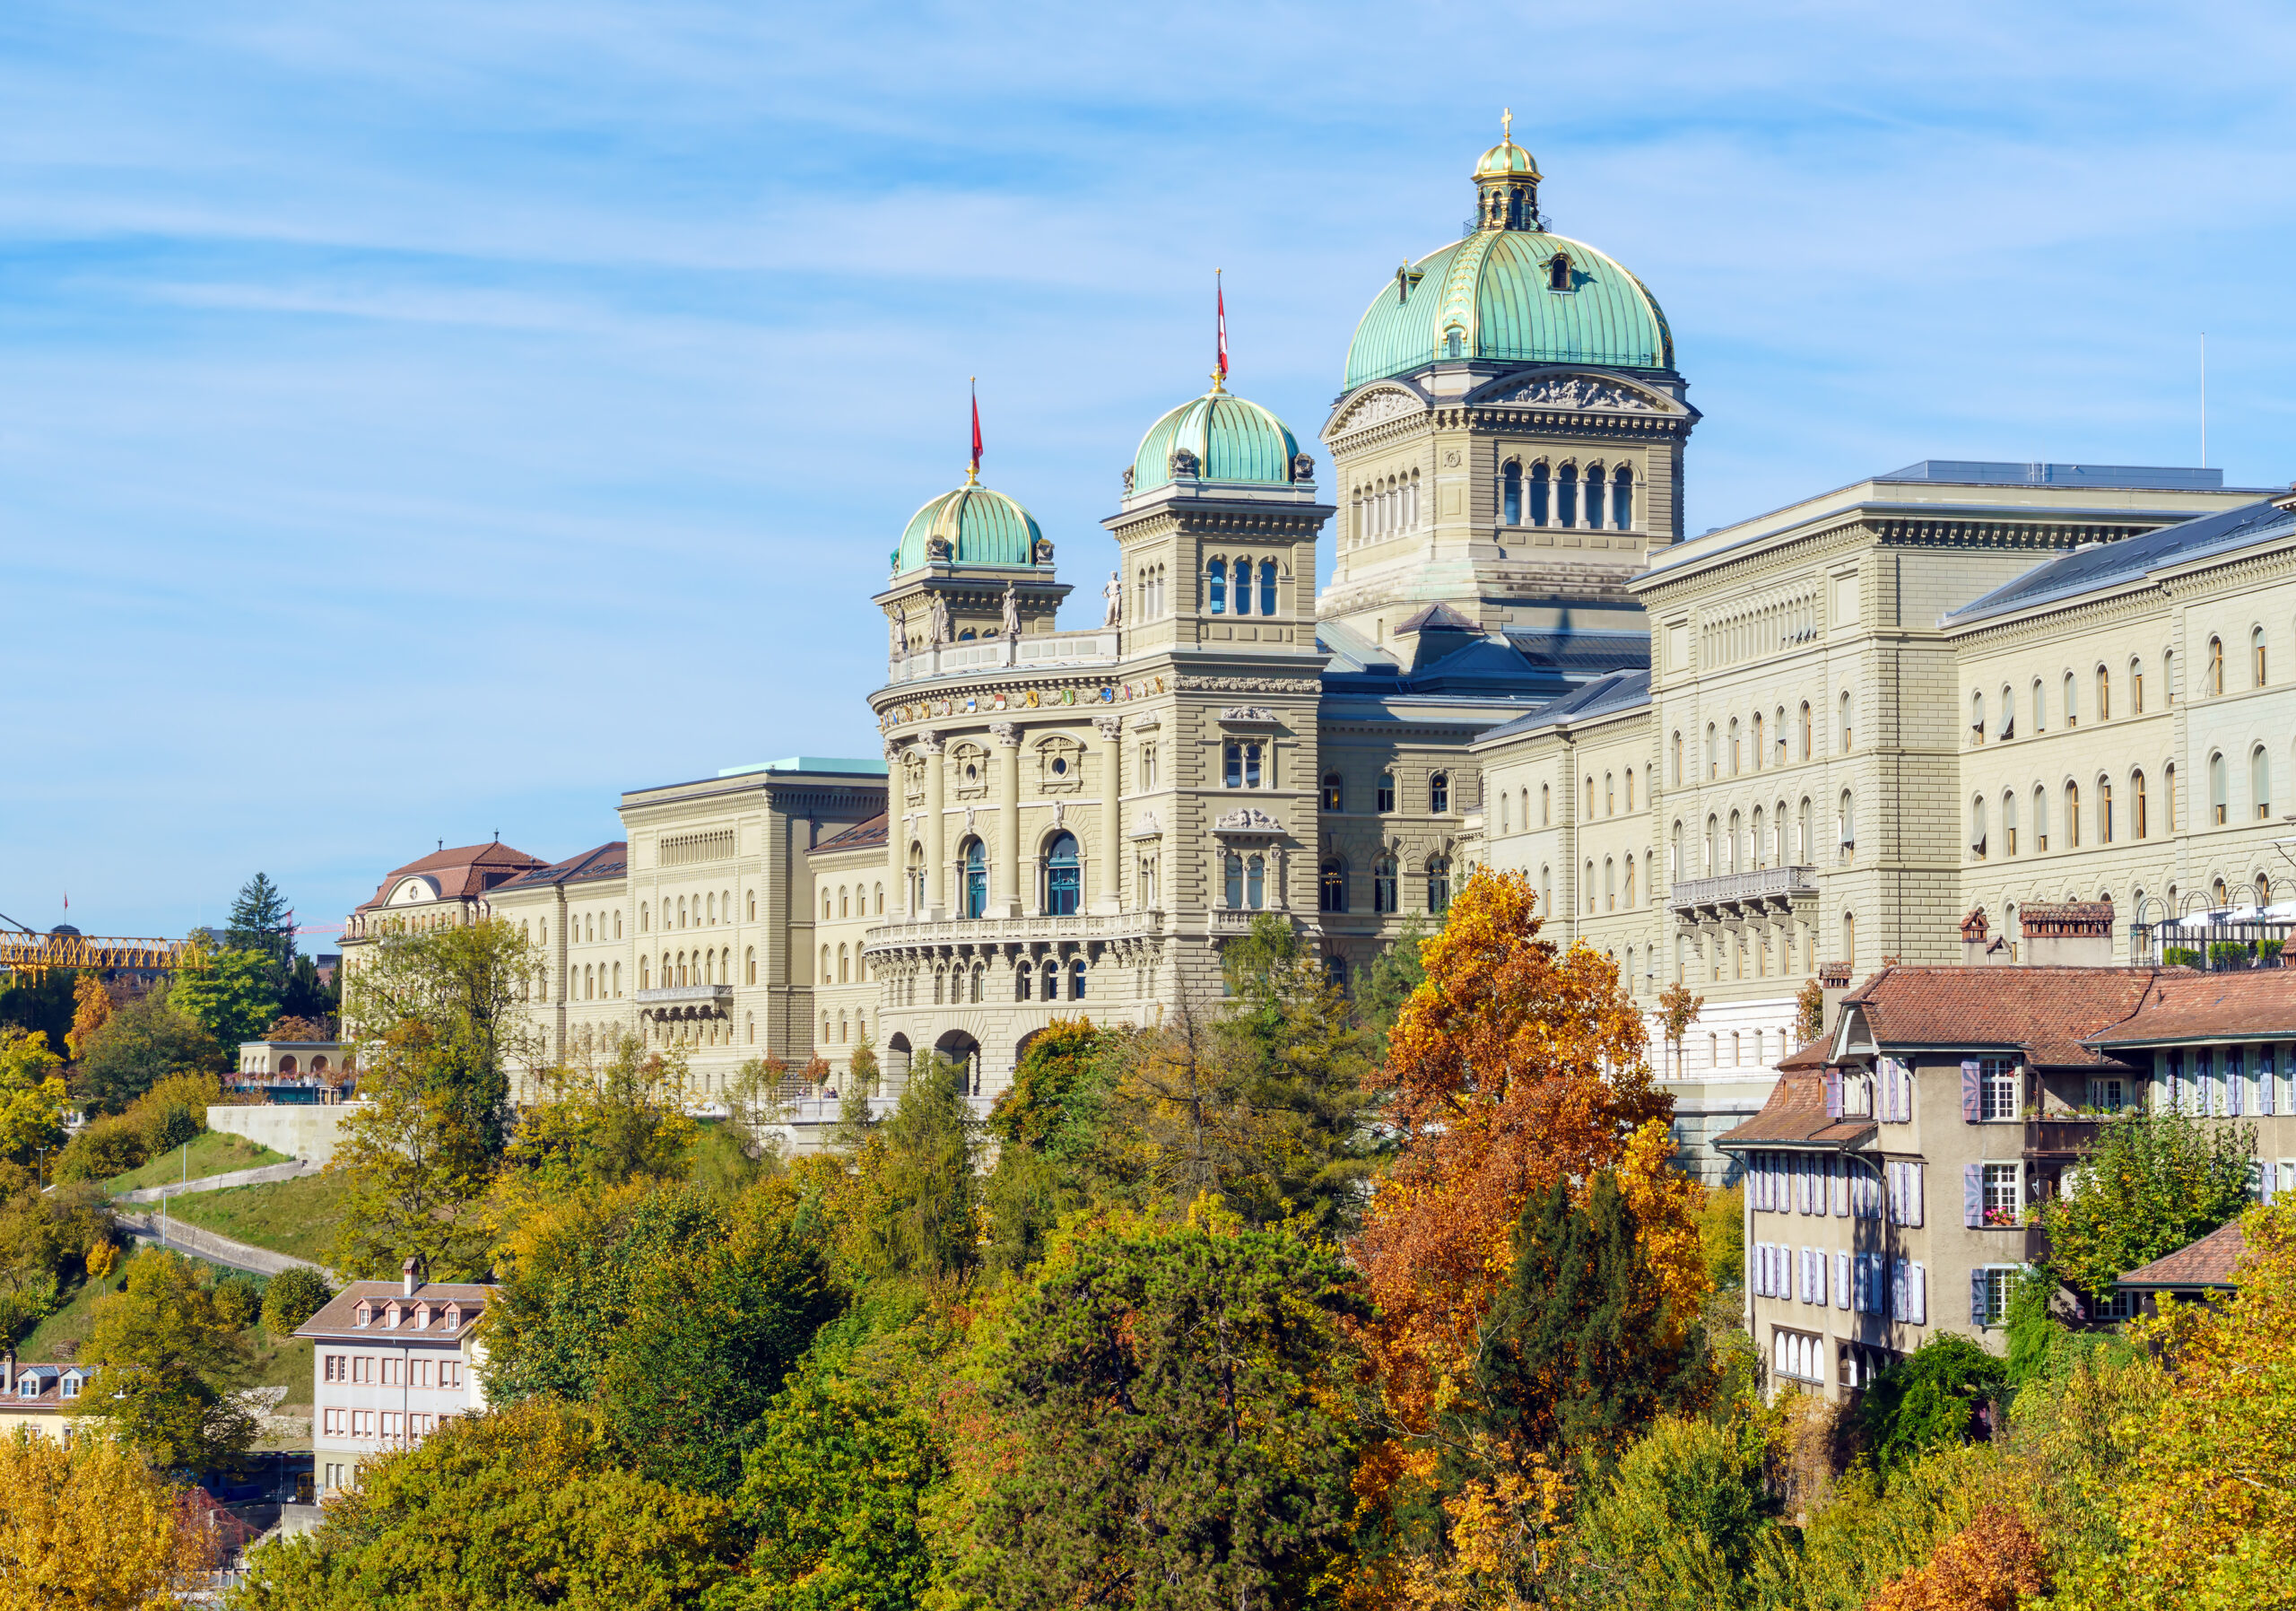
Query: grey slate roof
point(2113, 564)
point(608, 861)
point(1620, 691)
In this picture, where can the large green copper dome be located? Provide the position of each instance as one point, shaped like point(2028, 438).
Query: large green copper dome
point(1231, 439)
point(981, 527)
point(1500, 294)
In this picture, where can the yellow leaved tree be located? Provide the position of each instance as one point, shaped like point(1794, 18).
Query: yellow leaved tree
point(90, 1526)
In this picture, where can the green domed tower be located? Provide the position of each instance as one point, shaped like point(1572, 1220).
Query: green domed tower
point(958, 558)
point(1509, 437)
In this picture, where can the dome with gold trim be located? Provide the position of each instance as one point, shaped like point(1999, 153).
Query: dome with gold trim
point(1218, 437)
point(972, 525)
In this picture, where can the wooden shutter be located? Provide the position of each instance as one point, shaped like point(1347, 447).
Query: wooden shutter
point(1977, 1298)
point(1973, 1194)
point(1833, 1093)
point(1973, 1100)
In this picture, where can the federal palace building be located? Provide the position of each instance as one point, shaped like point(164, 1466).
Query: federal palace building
point(1794, 746)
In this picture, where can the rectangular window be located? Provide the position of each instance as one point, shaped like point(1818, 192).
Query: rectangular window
point(394, 1372)
point(331, 1422)
point(362, 1368)
point(1999, 1083)
point(1993, 1284)
point(2107, 1093)
point(451, 1373)
point(2000, 1200)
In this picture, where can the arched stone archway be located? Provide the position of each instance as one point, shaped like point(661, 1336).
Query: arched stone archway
point(958, 1047)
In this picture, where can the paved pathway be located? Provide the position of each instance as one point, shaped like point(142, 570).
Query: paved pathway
point(294, 1168)
point(221, 1249)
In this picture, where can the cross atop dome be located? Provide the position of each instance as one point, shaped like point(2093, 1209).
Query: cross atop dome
point(1507, 183)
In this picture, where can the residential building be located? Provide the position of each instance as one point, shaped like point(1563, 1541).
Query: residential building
point(390, 1361)
point(39, 1397)
point(1889, 1172)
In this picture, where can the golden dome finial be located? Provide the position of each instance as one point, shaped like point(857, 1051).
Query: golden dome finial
point(1506, 125)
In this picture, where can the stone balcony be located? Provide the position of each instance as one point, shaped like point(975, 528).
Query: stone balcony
point(993, 933)
point(1738, 895)
point(686, 996)
point(1042, 650)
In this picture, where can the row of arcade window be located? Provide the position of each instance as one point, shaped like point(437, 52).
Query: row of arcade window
point(1438, 794)
point(1061, 887)
point(1331, 889)
point(1215, 587)
point(1555, 496)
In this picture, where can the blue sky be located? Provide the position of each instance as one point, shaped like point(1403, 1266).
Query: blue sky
point(423, 419)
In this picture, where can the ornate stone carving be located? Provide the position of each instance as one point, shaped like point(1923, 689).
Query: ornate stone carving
point(1247, 819)
point(968, 811)
point(1059, 812)
point(1043, 550)
point(1114, 594)
point(1128, 481)
point(1303, 466)
point(1012, 611)
point(929, 742)
point(1005, 733)
point(1247, 713)
point(1182, 464)
point(1147, 825)
point(1381, 406)
point(937, 550)
point(1580, 391)
point(940, 620)
point(1110, 726)
point(1248, 685)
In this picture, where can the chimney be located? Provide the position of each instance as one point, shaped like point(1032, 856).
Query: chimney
point(410, 1277)
point(8, 1372)
point(1833, 984)
point(2068, 934)
point(1973, 932)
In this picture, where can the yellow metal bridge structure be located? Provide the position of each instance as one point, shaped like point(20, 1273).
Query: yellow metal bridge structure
point(33, 954)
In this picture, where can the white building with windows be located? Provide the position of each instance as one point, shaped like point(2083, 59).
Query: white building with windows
point(391, 1362)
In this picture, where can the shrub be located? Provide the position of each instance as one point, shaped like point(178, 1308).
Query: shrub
point(293, 1296)
point(107, 1147)
point(2179, 956)
point(1929, 1400)
point(167, 1129)
point(2229, 953)
point(237, 1301)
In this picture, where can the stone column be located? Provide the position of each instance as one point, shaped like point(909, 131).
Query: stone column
point(1008, 819)
point(1110, 896)
point(937, 893)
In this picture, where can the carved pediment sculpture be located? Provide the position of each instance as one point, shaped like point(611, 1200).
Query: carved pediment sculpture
point(1380, 405)
point(1246, 713)
point(1004, 732)
point(1580, 391)
point(1247, 819)
point(936, 549)
point(1147, 825)
point(1043, 553)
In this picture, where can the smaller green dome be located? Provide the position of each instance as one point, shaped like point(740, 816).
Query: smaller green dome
point(1229, 440)
point(1504, 158)
point(980, 527)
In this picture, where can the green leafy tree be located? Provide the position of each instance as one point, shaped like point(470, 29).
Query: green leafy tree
point(1676, 1527)
point(2152, 1182)
point(169, 1358)
point(465, 987)
point(416, 1173)
point(834, 1491)
point(142, 1042)
point(46, 1003)
point(916, 1210)
point(1171, 1431)
point(676, 1314)
point(263, 923)
point(294, 1296)
point(1059, 1144)
point(232, 997)
point(1573, 1365)
point(1929, 1400)
point(524, 1506)
point(46, 1235)
point(603, 1125)
point(31, 1097)
point(305, 995)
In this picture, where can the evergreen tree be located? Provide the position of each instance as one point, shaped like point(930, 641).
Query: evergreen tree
point(1572, 1366)
point(262, 922)
point(923, 1221)
point(1382, 988)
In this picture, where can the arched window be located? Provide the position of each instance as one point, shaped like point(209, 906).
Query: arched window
point(1215, 587)
point(1244, 582)
point(1331, 889)
point(879, 902)
point(1386, 801)
point(2104, 694)
point(1255, 881)
point(2168, 793)
point(2104, 811)
point(1267, 587)
point(1756, 752)
point(2218, 805)
point(1977, 719)
point(1542, 490)
point(2139, 817)
point(643, 914)
point(1558, 273)
point(1804, 848)
point(825, 906)
point(844, 966)
point(1438, 884)
point(1438, 794)
point(1566, 496)
point(980, 977)
point(1713, 753)
point(2216, 666)
point(916, 880)
point(1977, 828)
point(1511, 494)
point(2009, 823)
point(1233, 867)
point(1630, 788)
point(1675, 755)
point(975, 864)
point(2135, 686)
point(2260, 783)
point(1063, 878)
point(1595, 496)
point(1546, 805)
point(1383, 884)
point(828, 977)
point(1455, 343)
point(1734, 746)
point(1629, 881)
point(1052, 981)
point(844, 902)
point(1805, 729)
point(2256, 653)
point(1846, 732)
point(1506, 813)
point(1590, 796)
point(1335, 792)
point(1623, 498)
point(2168, 676)
point(1713, 847)
point(2041, 819)
point(1849, 938)
point(1076, 980)
point(749, 967)
point(1848, 819)
point(2072, 816)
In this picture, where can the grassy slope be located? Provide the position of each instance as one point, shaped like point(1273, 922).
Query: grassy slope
point(213, 1153)
point(297, 1217)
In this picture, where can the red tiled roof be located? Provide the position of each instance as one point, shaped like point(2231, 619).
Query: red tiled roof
point(2209, 1262)
point(861, 836)
point(461, 872)
point(2045, 1012)
point(1795, 1110)
point(339, 1318)
point(2185, 1005)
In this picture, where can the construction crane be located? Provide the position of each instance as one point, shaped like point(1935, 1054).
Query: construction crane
point(29, 952)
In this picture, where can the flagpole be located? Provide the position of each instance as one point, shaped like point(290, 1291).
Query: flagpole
point(1219, 338)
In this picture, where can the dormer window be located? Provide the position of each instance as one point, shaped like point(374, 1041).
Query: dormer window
point(364, 1315)
point(423, 1317)
point(1455, 343)
point(28, 1386)
point(1558, 272)
point(390, 1317)
point(452, 1320)
point(70, 1385)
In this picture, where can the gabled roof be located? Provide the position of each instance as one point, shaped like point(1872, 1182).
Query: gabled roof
point(2211, 1261)
point(861, 836)
point(1604, 696)
point(339, 1319)
point(2115, 565)
point(609, 860)
point(1437, 617)
point(459, 872)
point(2186, 1004)
point(1795, 1112)
point(2044, 1013)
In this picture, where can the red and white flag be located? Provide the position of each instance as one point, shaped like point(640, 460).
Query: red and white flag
point(1220, 292)
point(976, 429)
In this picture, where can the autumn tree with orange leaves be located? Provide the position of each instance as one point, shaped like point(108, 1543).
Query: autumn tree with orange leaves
point(1514, 1067)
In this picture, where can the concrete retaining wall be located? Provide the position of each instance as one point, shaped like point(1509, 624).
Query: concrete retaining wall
point(259, 1176)
point(147, 1226)
point(308, 1133)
